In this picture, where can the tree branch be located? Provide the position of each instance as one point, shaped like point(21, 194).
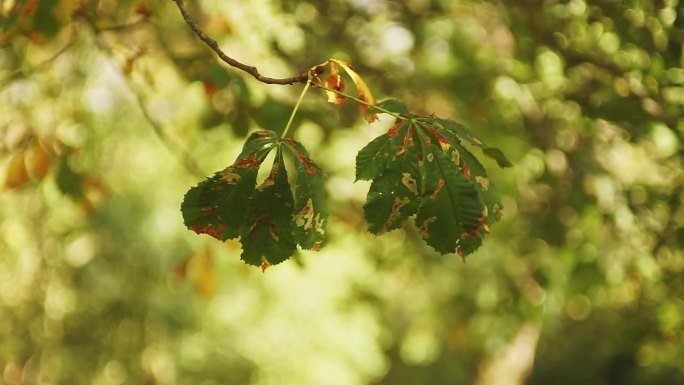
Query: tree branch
point(301, 78)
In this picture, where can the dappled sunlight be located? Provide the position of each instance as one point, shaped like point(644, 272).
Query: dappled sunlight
point(110, 112)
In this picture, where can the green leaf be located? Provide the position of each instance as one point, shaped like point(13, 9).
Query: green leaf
point(269, 220)
point(266, 235)
point(420, 167)
point(498, 156)
point(376, 156)
point(310, 214)
point(471, 168)
point(395, 194)
point(391, 105)
point(216, 206)
point(464, 134)
point(451, 206)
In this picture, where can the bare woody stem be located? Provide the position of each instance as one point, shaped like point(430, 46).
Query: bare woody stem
point(301, 78)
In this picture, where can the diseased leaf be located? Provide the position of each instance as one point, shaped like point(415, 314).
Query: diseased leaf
point(267, 234)
point(361, 87)
point(335, 82)
point(464, 134)
point(395, 194)
point(472, 169)
point(376, 156)
point(269, 220)
point(432, 175)
point(310, 214)
point(217, 205)
point(451, 206)
point(456, 128)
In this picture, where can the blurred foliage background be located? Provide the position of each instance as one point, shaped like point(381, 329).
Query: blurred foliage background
point(111, 110)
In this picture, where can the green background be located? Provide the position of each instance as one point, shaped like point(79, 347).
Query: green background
point(115, 109)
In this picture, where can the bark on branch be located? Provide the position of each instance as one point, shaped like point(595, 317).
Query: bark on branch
point(301, 78)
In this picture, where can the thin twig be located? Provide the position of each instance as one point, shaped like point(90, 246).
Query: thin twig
point(301, 78)
point(157, 128)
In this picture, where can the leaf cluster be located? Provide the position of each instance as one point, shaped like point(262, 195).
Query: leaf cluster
point(419, 168)
point(270, 219)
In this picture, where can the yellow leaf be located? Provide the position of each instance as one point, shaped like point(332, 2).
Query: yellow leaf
point(335, 82)
point(17, 174)
point(364, 92)
point(38, 161)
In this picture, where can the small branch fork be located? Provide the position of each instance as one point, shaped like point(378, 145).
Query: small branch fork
point(301, 78)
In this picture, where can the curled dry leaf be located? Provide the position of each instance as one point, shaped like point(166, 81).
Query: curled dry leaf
point(361, 86)
point(335, 82)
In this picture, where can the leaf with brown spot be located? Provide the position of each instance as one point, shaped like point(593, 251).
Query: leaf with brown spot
point(216, 206)
point(335, 82)
point(310, 214)
point(267, 231)
point(361, 87)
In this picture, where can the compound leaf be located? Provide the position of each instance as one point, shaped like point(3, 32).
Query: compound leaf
point(269, 220)
point(429, 173)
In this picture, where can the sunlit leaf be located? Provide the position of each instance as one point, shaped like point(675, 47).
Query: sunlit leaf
point(361, 87)
point(335, 82)
point(310, 213)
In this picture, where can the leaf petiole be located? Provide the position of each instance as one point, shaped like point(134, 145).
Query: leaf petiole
point(362, 102)
point(296, 107)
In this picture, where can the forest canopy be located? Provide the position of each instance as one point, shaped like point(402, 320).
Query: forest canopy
point(110, 111)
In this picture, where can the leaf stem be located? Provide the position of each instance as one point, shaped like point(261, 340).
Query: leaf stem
point(296, 107)
point(398, 116)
